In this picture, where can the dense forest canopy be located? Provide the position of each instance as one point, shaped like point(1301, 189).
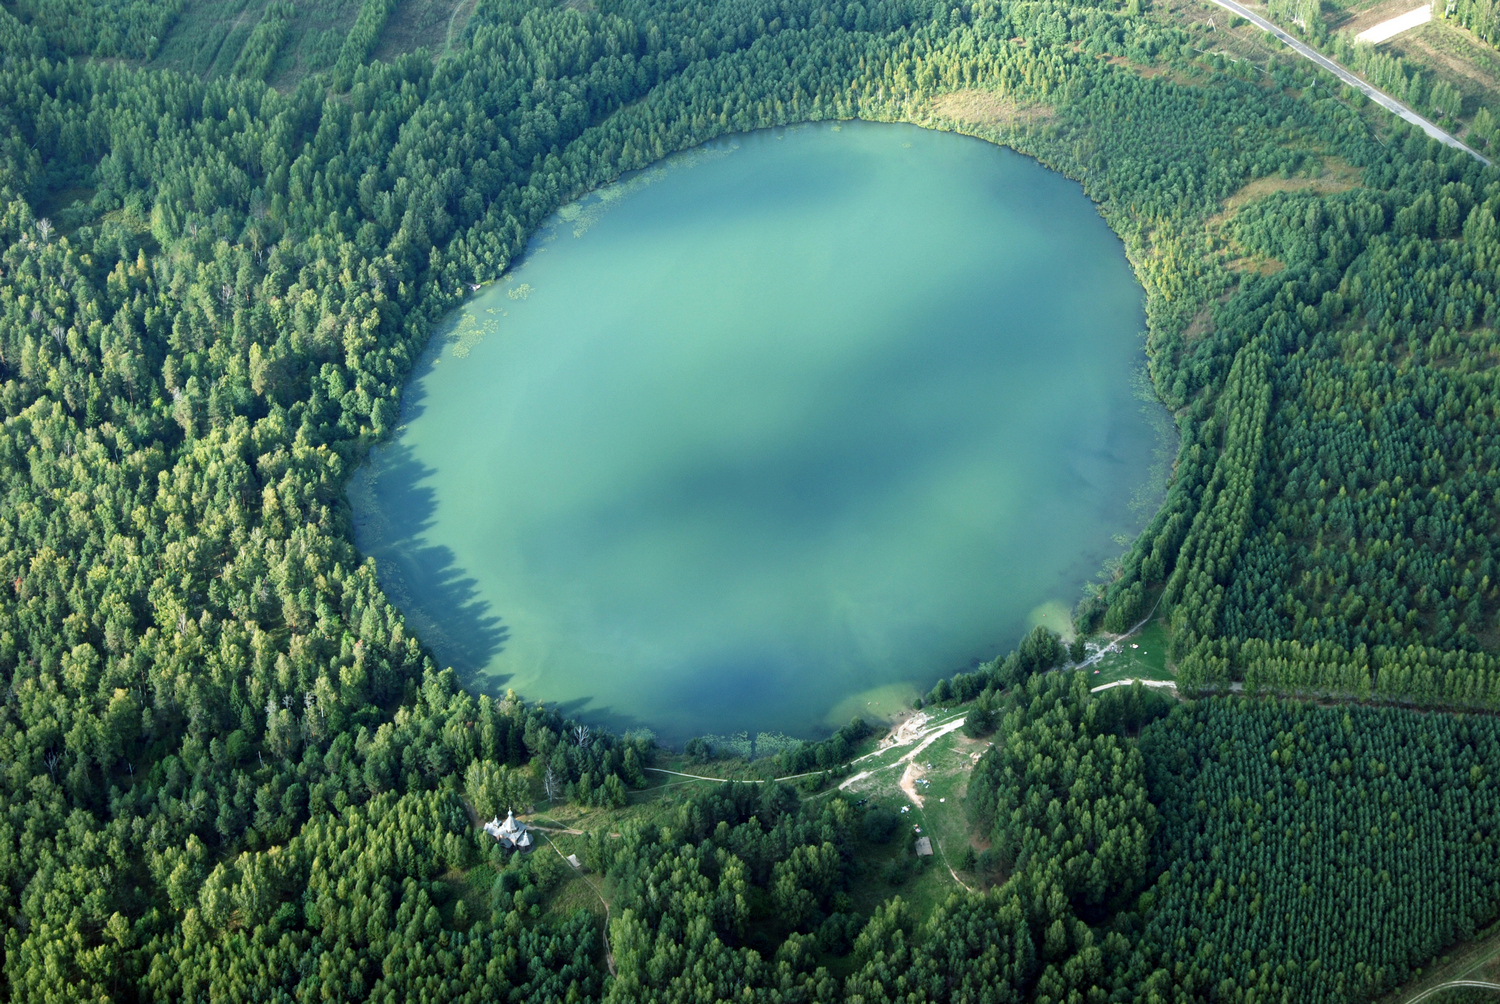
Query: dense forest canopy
point(229, 772)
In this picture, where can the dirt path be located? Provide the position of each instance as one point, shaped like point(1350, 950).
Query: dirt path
point(1115, 641)
point(1453, 983)
point(1381, 98)
point(908, 783)
point(935, 735)
point(1470, 963)
point(1166, 684)
point(448, 43)
point(609, 955)
point(913, 730)
point(723, 780)
point(928, 738)
point(678, 773)
point(907, 732)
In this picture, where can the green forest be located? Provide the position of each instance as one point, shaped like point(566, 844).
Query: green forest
point(228, 771)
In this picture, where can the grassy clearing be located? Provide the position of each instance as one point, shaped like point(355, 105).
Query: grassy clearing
point(986, 108)
point(946, 767)
point(939, 775)
point(423, 24)
point(472, 888)
point(572, 895)
point(208, 35)
point(313, 41)
point(574, 891)
point(207, 38)
point(1142, 656)
point(885, 868)
point(1336, 175)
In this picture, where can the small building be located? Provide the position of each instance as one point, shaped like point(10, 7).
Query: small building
point(924, 847)
point(511, 834)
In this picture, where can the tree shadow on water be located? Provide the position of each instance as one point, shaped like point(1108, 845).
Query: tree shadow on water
point(393, 512)
point(584, 709)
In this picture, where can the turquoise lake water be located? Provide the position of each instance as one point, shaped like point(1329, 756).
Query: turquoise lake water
point(776, 432)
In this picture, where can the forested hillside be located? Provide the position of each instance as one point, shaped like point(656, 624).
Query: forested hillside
point(227, 770)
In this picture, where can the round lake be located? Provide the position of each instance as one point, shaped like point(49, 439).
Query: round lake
point(777, 432)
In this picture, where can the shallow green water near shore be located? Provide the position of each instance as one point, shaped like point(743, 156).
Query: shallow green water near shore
point(801, 420)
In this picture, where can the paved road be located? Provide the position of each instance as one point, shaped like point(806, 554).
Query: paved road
point(1381, 98)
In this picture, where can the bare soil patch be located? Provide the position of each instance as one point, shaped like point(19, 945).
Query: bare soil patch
point(1146, 71)
point(1177, 76)
point(1255, 265)
point(980, 107)
point(1338, 176)
point(1355, 21)
point(908, 783)
point(1201, 324)
point(1203, 321)
point(908, 730)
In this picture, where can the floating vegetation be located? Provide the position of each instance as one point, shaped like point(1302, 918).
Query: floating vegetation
point(740, 744)
point(466, 333)
point(772, 743)
point(748, 747)
point(587, 211)
point(520, 292)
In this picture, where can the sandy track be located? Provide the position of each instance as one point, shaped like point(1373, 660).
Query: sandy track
point(1164, 684)
point(1389, 29)
point(908, 783)
point(927, 737)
